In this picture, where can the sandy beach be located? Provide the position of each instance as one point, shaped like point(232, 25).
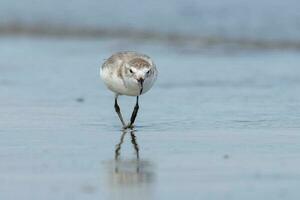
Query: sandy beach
point(221, 122)
point(224, 127)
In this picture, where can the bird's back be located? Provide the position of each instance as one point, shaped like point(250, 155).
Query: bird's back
point(120, 58)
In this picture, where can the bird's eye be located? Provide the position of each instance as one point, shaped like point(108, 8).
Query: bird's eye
point(130, 70)
point(148, 72)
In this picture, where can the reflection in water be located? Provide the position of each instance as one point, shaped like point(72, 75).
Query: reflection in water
point(133, 141)
point(130, 178)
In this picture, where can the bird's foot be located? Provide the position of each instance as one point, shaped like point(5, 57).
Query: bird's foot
point(130, 126)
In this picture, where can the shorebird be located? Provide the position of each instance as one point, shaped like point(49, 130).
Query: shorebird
point(128, 73)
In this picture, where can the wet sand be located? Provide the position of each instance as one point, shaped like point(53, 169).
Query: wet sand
point(227, 128)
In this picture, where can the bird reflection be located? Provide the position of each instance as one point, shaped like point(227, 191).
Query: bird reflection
point(133, 141)
point(130, 172)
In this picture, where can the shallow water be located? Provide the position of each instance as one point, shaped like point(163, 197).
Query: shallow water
point(214, 126)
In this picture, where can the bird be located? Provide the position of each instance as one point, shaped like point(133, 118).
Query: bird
point(128, 73)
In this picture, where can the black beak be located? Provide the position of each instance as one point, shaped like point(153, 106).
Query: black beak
point(141, 81)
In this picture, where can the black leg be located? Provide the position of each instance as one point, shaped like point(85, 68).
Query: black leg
point(134, 113)
point(117, 108)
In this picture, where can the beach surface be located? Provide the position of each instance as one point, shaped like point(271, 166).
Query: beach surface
point(216, 125)
point(221, 122)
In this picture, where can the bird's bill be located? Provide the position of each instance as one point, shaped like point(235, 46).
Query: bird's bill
point(141, 82)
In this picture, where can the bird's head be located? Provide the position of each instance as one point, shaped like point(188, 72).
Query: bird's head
point(139, 71)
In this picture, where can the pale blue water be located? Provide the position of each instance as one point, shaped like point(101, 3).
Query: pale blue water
point(222, 121)
point(215, 126)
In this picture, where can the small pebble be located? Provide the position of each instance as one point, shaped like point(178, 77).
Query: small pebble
point(80, 100)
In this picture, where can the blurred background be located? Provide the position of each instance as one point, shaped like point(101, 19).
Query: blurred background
point(226, 125)
point(256, 24)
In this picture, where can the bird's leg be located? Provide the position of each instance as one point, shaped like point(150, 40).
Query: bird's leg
point(117, 108)
point(134, 113)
